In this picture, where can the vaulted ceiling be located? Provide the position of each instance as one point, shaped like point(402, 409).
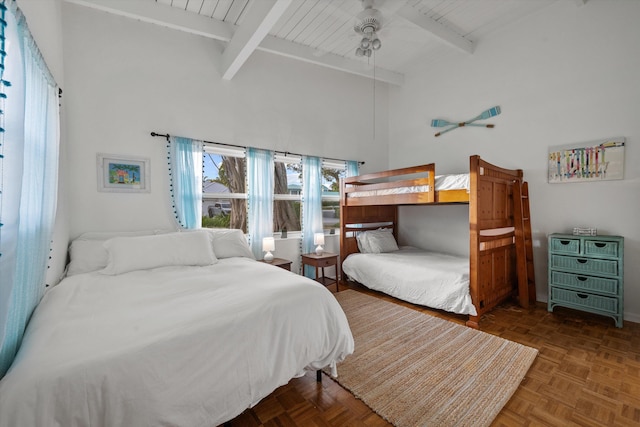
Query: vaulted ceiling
point(322, 31)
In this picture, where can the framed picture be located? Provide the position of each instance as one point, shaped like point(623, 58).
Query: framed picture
point(587, 162)
point(127, 174)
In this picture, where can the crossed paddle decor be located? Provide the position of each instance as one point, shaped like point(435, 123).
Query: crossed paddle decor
point(491, 112)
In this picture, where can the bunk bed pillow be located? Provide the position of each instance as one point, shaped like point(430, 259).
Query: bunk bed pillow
point(381, 240)
point(363, 244)
point(161, 250)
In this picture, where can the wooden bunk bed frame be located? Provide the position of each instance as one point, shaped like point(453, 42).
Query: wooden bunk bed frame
point(492, 253)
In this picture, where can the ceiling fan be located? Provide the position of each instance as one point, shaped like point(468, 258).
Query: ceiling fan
point(367, 24)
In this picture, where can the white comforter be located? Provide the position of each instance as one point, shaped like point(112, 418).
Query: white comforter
point(179, 346)
point(427, 278)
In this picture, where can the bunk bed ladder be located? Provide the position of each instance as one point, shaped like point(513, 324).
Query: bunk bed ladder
point(524, 245)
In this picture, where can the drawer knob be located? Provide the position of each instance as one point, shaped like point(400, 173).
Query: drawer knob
point(564, 242)
point(582, 261)
point(582, 278)
point(600, 244)
point(583, 296)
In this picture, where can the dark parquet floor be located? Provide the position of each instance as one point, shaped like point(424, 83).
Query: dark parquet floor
point(587, 373)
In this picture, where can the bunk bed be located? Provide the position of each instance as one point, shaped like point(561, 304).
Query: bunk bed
point(370, 202)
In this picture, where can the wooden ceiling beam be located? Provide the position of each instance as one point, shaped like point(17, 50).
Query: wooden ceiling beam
point(177, 19)
point(436, 28)
point(259, 20)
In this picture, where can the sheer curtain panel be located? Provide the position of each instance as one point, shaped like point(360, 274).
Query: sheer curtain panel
point(353, 168)
point(311, 205)
point(185, 180)
point(260, 177)
point(29, 180)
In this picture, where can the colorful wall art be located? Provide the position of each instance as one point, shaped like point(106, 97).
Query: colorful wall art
point(589, 161)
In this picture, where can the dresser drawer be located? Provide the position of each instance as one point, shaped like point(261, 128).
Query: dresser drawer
point(585, 265)
point(581, 299)
point(566, 246)
point(585, 283)
point(601, 248)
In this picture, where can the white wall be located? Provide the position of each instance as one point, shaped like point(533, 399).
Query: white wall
point(126, 78)
point(567, 74)
point(45, 23)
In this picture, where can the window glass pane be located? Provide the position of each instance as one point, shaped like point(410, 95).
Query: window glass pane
point(331, 197)
point(286, 213)
point(224, 175)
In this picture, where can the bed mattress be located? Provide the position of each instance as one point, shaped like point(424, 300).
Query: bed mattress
point(427, 278)
point(183, 346)
point(442, 182)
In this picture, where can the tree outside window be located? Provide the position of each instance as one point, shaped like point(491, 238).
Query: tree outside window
point(224, 199)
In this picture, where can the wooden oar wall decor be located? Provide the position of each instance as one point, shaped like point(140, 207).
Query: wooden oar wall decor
point(491, 112)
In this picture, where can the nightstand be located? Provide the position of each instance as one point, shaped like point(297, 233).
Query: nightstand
point(279, 262)
point(327, 259)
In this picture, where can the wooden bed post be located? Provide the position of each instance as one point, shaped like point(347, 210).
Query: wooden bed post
point(474, 241)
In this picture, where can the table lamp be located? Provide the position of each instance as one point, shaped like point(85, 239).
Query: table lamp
point(318, 239)
point(268, 245)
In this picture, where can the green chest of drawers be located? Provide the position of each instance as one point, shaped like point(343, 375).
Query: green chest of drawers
point(586, 273)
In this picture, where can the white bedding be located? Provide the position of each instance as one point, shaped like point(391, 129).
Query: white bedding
point(442, 182)
point(427, 278)
point(180, 346)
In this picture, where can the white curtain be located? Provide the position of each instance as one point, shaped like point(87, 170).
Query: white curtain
point(185, 171)
point(29, 181)
point(260, 177)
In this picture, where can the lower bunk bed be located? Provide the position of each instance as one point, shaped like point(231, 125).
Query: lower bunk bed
point(488, 277)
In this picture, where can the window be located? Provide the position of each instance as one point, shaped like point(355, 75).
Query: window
point(287, 197)
point(332, 172)
point(224, 194)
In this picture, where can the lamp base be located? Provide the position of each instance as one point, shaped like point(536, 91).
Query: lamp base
point(319, 250)
point(268, 257)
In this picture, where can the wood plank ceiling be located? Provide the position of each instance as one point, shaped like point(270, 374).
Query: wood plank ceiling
point(322, 31)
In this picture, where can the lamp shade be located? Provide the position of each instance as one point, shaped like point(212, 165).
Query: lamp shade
point(268, 244)
point(318, 239)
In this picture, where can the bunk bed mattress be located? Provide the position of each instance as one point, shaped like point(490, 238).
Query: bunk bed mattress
point(442, 182)
point(170, 346)
point(426, 278)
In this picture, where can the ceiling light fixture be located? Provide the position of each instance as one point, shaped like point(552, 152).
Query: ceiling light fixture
point(368, 22)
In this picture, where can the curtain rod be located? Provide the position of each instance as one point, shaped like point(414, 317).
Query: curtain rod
point(167, 136)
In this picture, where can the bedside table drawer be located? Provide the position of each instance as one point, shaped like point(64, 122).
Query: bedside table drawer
point(585, 300)
point(585, 283)
point(325, 262)
point(586, 265)
point(601, 248)
point(567, 246)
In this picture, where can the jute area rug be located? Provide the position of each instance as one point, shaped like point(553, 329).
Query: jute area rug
point(418, 370)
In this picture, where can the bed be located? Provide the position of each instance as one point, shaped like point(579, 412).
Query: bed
point(192, 338)
point(369, 203)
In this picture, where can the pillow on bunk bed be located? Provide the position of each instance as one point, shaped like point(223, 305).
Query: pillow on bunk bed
point(381, 240)
point(363, 245)
point(87, 253)
point(161, 250)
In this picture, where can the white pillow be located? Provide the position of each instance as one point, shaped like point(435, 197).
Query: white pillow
point(229, 243)
point(363, 245)
point(87, 253)
point(381, 240)
point(145, 252)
